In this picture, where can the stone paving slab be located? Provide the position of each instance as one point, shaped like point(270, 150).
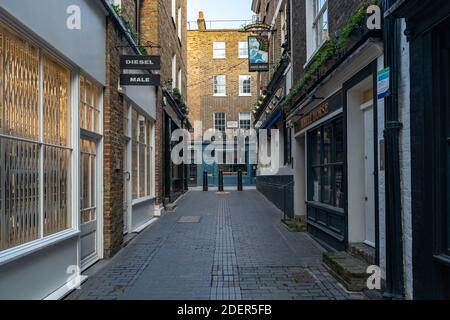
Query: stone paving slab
point(238, 250)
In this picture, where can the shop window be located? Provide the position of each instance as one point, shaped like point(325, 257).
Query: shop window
point(28, 184)
point(89, 105)
point(141, 156)
point(326, 164)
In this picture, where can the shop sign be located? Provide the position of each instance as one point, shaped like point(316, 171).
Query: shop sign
point(258, 54)
point(232, 125)
point(130, 62)
point(383, 83)
point(140, 79)
point(319, 112)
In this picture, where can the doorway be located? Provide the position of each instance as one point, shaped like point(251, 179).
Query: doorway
point(89, 213)
point(361, 162)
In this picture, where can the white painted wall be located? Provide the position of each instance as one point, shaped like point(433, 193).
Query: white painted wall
point(405, 163)
point(381, 184)
point(356, 173)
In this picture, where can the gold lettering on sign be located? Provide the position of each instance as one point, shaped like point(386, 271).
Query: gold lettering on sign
point(316, 114)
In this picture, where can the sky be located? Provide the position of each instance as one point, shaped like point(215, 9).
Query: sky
point(221, 10)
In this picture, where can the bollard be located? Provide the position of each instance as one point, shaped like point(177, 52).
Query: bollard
point(205, 180)
point(239, 184)
point(220, 181)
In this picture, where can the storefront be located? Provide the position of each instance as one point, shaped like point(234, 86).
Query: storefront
point(428, 39)
point(336, 148)
point(51, 134)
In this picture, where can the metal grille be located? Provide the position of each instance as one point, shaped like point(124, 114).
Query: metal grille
point(34, 143)
point(89, 105)
point(88, 203)
point(19, 175)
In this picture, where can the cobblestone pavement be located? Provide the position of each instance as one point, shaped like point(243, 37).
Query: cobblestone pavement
point(238, 250)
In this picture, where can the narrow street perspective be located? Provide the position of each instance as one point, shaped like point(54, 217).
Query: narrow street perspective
point(266, 150)
point(229, 246)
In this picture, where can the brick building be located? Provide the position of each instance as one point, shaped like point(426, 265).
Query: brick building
point(163, 32)
point(221, 90)
point(273, 88)
point(330, 120)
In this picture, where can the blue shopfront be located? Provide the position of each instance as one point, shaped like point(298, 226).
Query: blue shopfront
point(230, 171)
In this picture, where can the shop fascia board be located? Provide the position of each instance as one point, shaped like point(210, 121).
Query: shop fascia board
point(372, 49)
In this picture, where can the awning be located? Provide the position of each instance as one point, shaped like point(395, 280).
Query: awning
point(271, 122)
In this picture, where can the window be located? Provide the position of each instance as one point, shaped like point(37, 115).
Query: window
point(326, 164)
point(245, 120)
point(89, 105)
point(245, 85)
point(174, 71)
point(219, 50)
point(35, 150)
point(220, 85)
point(219, 121)
point(180, 81)
point(174, 10)
point(243, 50)
point(141, 156)
point(180, 21)
point(320, 22)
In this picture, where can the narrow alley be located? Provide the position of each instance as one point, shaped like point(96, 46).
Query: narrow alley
point(228, 246)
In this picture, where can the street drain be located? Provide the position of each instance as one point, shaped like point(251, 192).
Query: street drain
point(304, 277)
point(189, 219)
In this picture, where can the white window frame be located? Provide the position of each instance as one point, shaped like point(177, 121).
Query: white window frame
point(219, 53)
point(240, 50)
point(224, 119)
point(174, 11)
point(313, 18)
point(180, 21)
point(241, 118)
point(180, 81)
point(216, 92)
point(243, 78)
point(174, 71)
point(73, 231)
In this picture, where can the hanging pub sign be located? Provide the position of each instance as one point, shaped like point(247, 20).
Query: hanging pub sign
point(258, 54)
point(140, 80)
point(131, 62)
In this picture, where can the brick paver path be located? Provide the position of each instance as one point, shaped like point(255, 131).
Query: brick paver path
point(238, 250)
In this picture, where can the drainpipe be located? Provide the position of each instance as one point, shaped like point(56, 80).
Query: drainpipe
point(394, 235)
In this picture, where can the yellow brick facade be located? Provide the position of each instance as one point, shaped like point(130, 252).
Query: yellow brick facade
point(201, 69)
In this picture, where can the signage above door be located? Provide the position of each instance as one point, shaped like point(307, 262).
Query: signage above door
point(140, 79)
point(140, 62)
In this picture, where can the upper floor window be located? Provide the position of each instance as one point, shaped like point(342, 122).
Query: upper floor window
point(180, 21)
point(220, 85)
point(174, 71)
point(245, 120)
point(219, 121)
point(245, 85)
point(243, 50)
point(174, 10)
point(219, 50)
point(320, 22)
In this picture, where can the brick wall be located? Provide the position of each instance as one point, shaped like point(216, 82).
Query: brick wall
point(298, 43)
point(202, 67)
point(113, 146)
point(339, 12)
point(158, 28)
